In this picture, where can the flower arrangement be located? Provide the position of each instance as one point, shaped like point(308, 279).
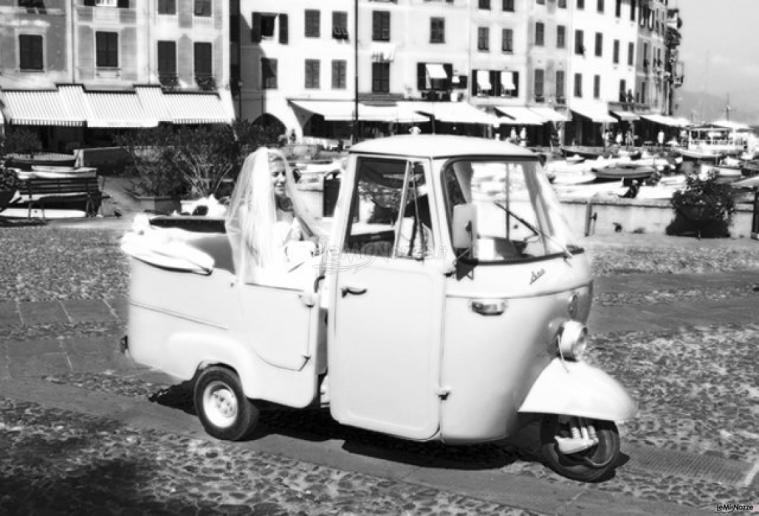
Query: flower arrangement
point(8, 180)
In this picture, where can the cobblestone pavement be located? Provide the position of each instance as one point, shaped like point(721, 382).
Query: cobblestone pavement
point(59, 462)
point(696, 388)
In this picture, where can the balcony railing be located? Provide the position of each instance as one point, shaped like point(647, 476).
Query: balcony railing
point(168, 80)
point(205, 81)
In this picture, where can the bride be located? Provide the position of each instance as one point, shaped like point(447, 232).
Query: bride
point(270, 230)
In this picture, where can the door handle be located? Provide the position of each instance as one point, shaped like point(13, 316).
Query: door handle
point(488, 306)
point(356, 291)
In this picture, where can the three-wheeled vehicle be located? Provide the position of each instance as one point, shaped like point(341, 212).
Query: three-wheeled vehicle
point(448, 304)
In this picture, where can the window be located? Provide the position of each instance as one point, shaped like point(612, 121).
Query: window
point(203, 61)
point(560, 86)
point(600, 6)
point(167, 6)
point(379, 224)
point(30, 52)
point(618, 9)
point(615, 54)
point(483, 37)
point(513, 203)
point(578, 85)
point(579, 46)
point(507, 40)
point(632, 10)
point(202, 8)
point(339, 67)
point(107, 49)
point(599, 44)
point(508, 5)
point(263, 25)
point(433, 76)
point(484, 4)
point(339, 25)
point(622, 90)
point(596, 86)
point(643, 92)
point(539, 34)
point(630, 54)
point(268, 73)
point(540, 2)
point(380, 77)
point(380, 25)
point(32, 4)
point(539, 80)
point(581, 4)
point(312, 74)
point(167, 60)
point(124, 4)
point(437, 30)
point(561, 36)
point(312, 23)
point(562, 4)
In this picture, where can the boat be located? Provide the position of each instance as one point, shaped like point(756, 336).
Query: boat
point(750, 168)
point(583, 151)
point(724, 172)
point(624, 171)
point(698, 155)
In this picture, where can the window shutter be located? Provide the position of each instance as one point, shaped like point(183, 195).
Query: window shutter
point(474, 82)
point(124, 4)
point(449, 72)
point(283, 29)
point(89, 3)
point(421, 76)
point(495, 83)
point(515, 78)
point(255, 28)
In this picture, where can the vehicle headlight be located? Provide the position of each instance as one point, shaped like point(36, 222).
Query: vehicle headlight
point(572, 340)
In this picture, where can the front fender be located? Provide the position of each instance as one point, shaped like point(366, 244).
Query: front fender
point(578, 389)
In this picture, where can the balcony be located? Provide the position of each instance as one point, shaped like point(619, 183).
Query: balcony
point(205, 82)
point(168, 80)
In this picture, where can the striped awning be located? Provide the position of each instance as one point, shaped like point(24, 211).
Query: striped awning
point(665, 120)
point(519, 115)
point(551, 115)
point(595, 111)
point(342, 111)
point(627, 116)
point(453, 112)
point(119, 109)
point(39, 107)
point(151, 98)
point(196, 108)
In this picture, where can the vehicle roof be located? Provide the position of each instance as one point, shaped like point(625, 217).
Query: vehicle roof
point(439, 146)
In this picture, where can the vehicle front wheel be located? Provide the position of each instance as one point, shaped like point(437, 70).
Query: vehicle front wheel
point(591, 465)
point(221, 405)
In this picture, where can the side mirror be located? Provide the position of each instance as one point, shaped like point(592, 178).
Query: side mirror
point(464, 225)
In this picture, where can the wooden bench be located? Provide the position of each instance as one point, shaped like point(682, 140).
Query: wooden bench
point(37, 192)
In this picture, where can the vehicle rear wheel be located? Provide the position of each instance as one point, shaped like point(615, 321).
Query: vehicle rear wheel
point(591, 465)
point(221, 405)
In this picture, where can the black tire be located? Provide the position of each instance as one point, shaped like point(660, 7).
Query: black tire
point(592, 465)
point(221, 405)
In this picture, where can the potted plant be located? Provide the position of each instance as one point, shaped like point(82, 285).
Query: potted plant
point(8, 185)
point(705, 206)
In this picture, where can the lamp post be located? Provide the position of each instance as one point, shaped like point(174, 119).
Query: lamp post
point(355, 71)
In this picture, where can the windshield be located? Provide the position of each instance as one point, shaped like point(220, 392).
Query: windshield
point(515, 213)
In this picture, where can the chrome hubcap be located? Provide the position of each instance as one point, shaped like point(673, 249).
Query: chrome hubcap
point(220, 404)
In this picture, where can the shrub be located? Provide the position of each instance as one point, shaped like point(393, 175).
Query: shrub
point(191, 160)
point(19, 140)
point(704, 206)
point(8, 179)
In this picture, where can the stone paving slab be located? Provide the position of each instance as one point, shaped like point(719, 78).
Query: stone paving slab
point(119, 306)
point(43, 312)
point(9, 315)
point(491, 485)
point(648, 282)
point(38, 365)
point(90, 310)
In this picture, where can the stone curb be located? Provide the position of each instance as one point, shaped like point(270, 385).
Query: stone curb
point(490, 485)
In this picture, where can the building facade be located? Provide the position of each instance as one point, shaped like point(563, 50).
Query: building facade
point(79, 70)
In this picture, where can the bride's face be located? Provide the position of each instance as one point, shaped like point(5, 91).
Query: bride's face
point(278, 177)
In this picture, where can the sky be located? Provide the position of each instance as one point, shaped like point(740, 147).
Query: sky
point(720, 48)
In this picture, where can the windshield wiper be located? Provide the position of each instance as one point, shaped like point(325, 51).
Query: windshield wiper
point(537, 231)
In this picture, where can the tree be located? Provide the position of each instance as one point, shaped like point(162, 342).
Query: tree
point(19, 140)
